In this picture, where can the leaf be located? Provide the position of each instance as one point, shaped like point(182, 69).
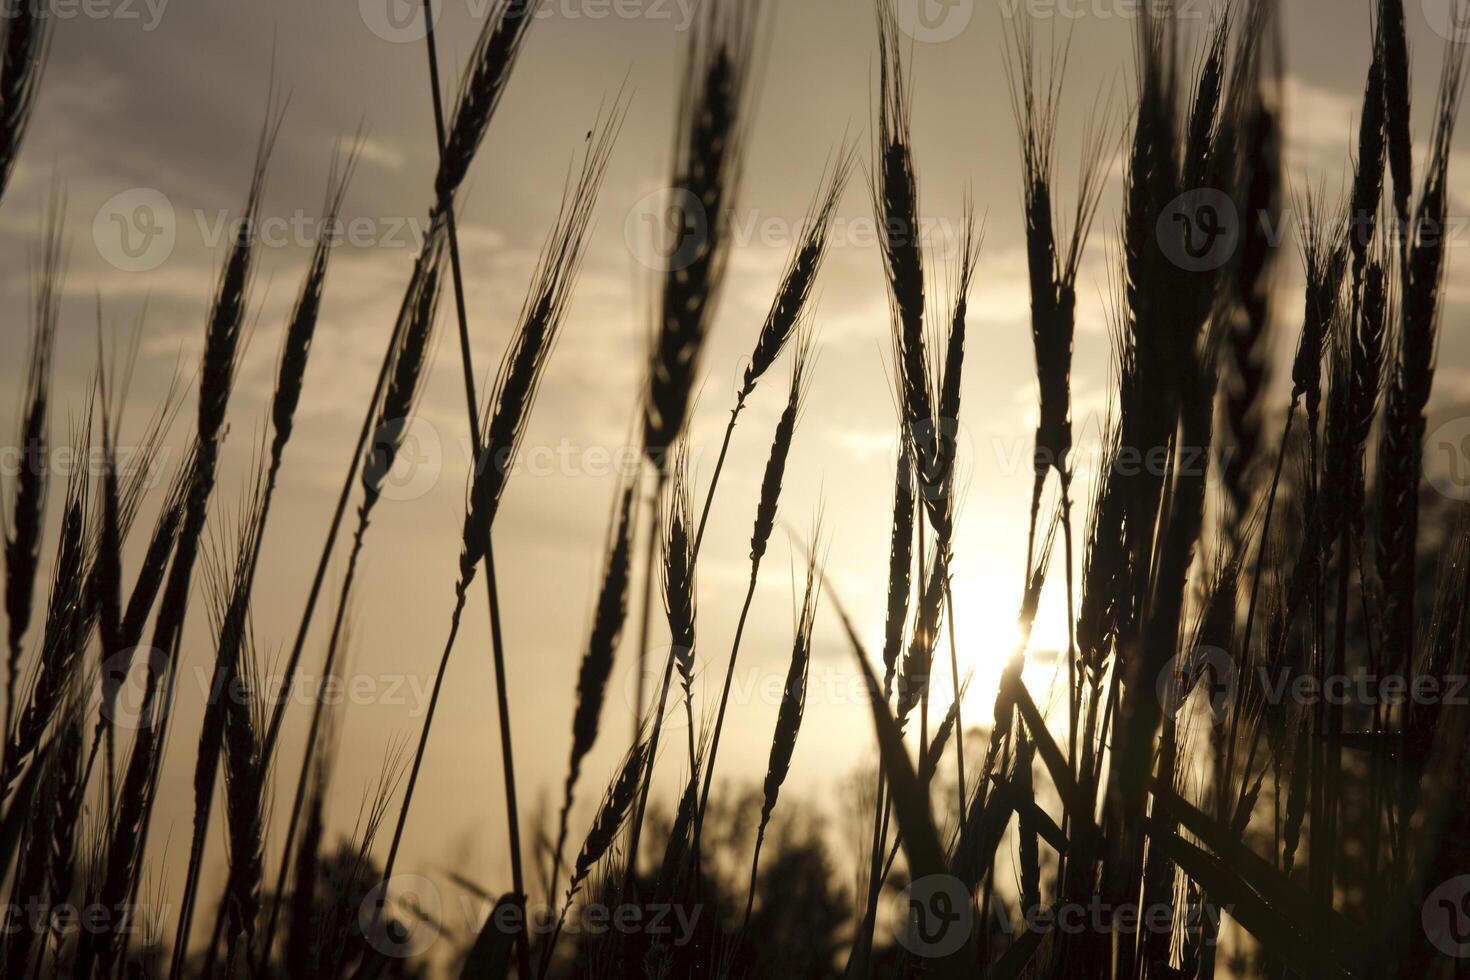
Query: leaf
point(1268, 924)
point(910, 804)
point(489, 957)
point(1079, 807)
point(1016, 956)
point(12, 827)
point(1286, 898)
point(981, 835)
point(910, 800)
point(1045, 825)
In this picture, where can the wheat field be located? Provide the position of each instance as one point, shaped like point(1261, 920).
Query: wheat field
point(1086, 590)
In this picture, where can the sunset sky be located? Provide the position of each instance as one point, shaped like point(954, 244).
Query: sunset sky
point(160, 106)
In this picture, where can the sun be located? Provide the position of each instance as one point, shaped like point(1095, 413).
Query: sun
point(987, 600)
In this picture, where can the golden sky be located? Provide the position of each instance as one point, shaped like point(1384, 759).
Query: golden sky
point(161, 105)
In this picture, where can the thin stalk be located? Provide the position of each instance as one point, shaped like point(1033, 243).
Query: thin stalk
point(880, 838)
point(312, 736)
point(920, 584)
point(709, 497)
point(314, 593)
point(647, 777)
point(1074, 687)
point(460, 595)
point(755, 860)
point(206, 802)
point(658, 719)
point(1261, 549)
point(714, 747)
point(299, 645)
point(689, 713)
point(507, 757)
point(523, 953)
point(1261, 552)
point(954, 667)
point(644, 623)
point(1075, 692)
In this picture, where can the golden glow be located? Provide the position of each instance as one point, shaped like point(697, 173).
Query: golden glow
point(987, 600)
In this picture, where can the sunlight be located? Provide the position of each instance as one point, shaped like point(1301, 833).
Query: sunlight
point(986, 630)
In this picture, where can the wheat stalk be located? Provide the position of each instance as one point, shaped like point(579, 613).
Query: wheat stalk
point(597, 662)
point(680, 592)
point(23, 524)
point(765, 521)
point(789, 715)
point(787, 310)
point(616, 806)
point(511, 400)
